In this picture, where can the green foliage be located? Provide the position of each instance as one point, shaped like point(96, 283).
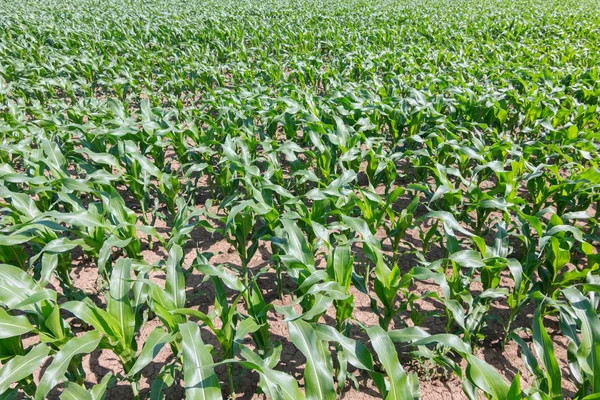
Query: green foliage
point(362, 150)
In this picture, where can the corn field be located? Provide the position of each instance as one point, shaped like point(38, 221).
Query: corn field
point(299, 199)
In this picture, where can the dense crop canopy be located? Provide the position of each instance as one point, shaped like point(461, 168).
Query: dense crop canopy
point(299, 198)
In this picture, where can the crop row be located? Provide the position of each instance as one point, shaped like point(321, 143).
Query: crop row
point(363, 150)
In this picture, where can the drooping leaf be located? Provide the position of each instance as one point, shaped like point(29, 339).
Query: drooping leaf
point(55, 372)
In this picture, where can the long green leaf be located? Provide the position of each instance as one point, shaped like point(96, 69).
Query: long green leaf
point(318, 374)
point(54, 374)
point(119, 304)
point(73, 391)
point(199, 377)
point(400, 387)
point(545, 351)
point(589, 349)
point(277, 384)
point(175, 283)
point(486, 378)
point(155, 341)
point(21, 367)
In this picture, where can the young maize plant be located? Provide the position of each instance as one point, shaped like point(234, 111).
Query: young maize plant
point(299, 199)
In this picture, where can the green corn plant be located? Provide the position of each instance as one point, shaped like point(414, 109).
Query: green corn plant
point(523, 268)
point(275, 384)
point(350, 352)
point(257, 310)
point(123, 218)
point(256, 306)
point(401, 385)
point(400, 223)
point(579, 323)
point(73, 391)
point(558, 247)
point(23, 294)
point(240, 228)
point(446, 194)
point(316, 289)
point(271, 199)
point(537, 185)
point(20, 292)
point(478, 375)
point(374, 209)
point(138, 173)
point(546, 372)
point(20, 369)
point(120, 322)
point(388, 282)
point(381, 168)
point(296, 254)
point(231, 331)
point(185, 221)
point(68, 360)
point(340, 266)
point(455, 285)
